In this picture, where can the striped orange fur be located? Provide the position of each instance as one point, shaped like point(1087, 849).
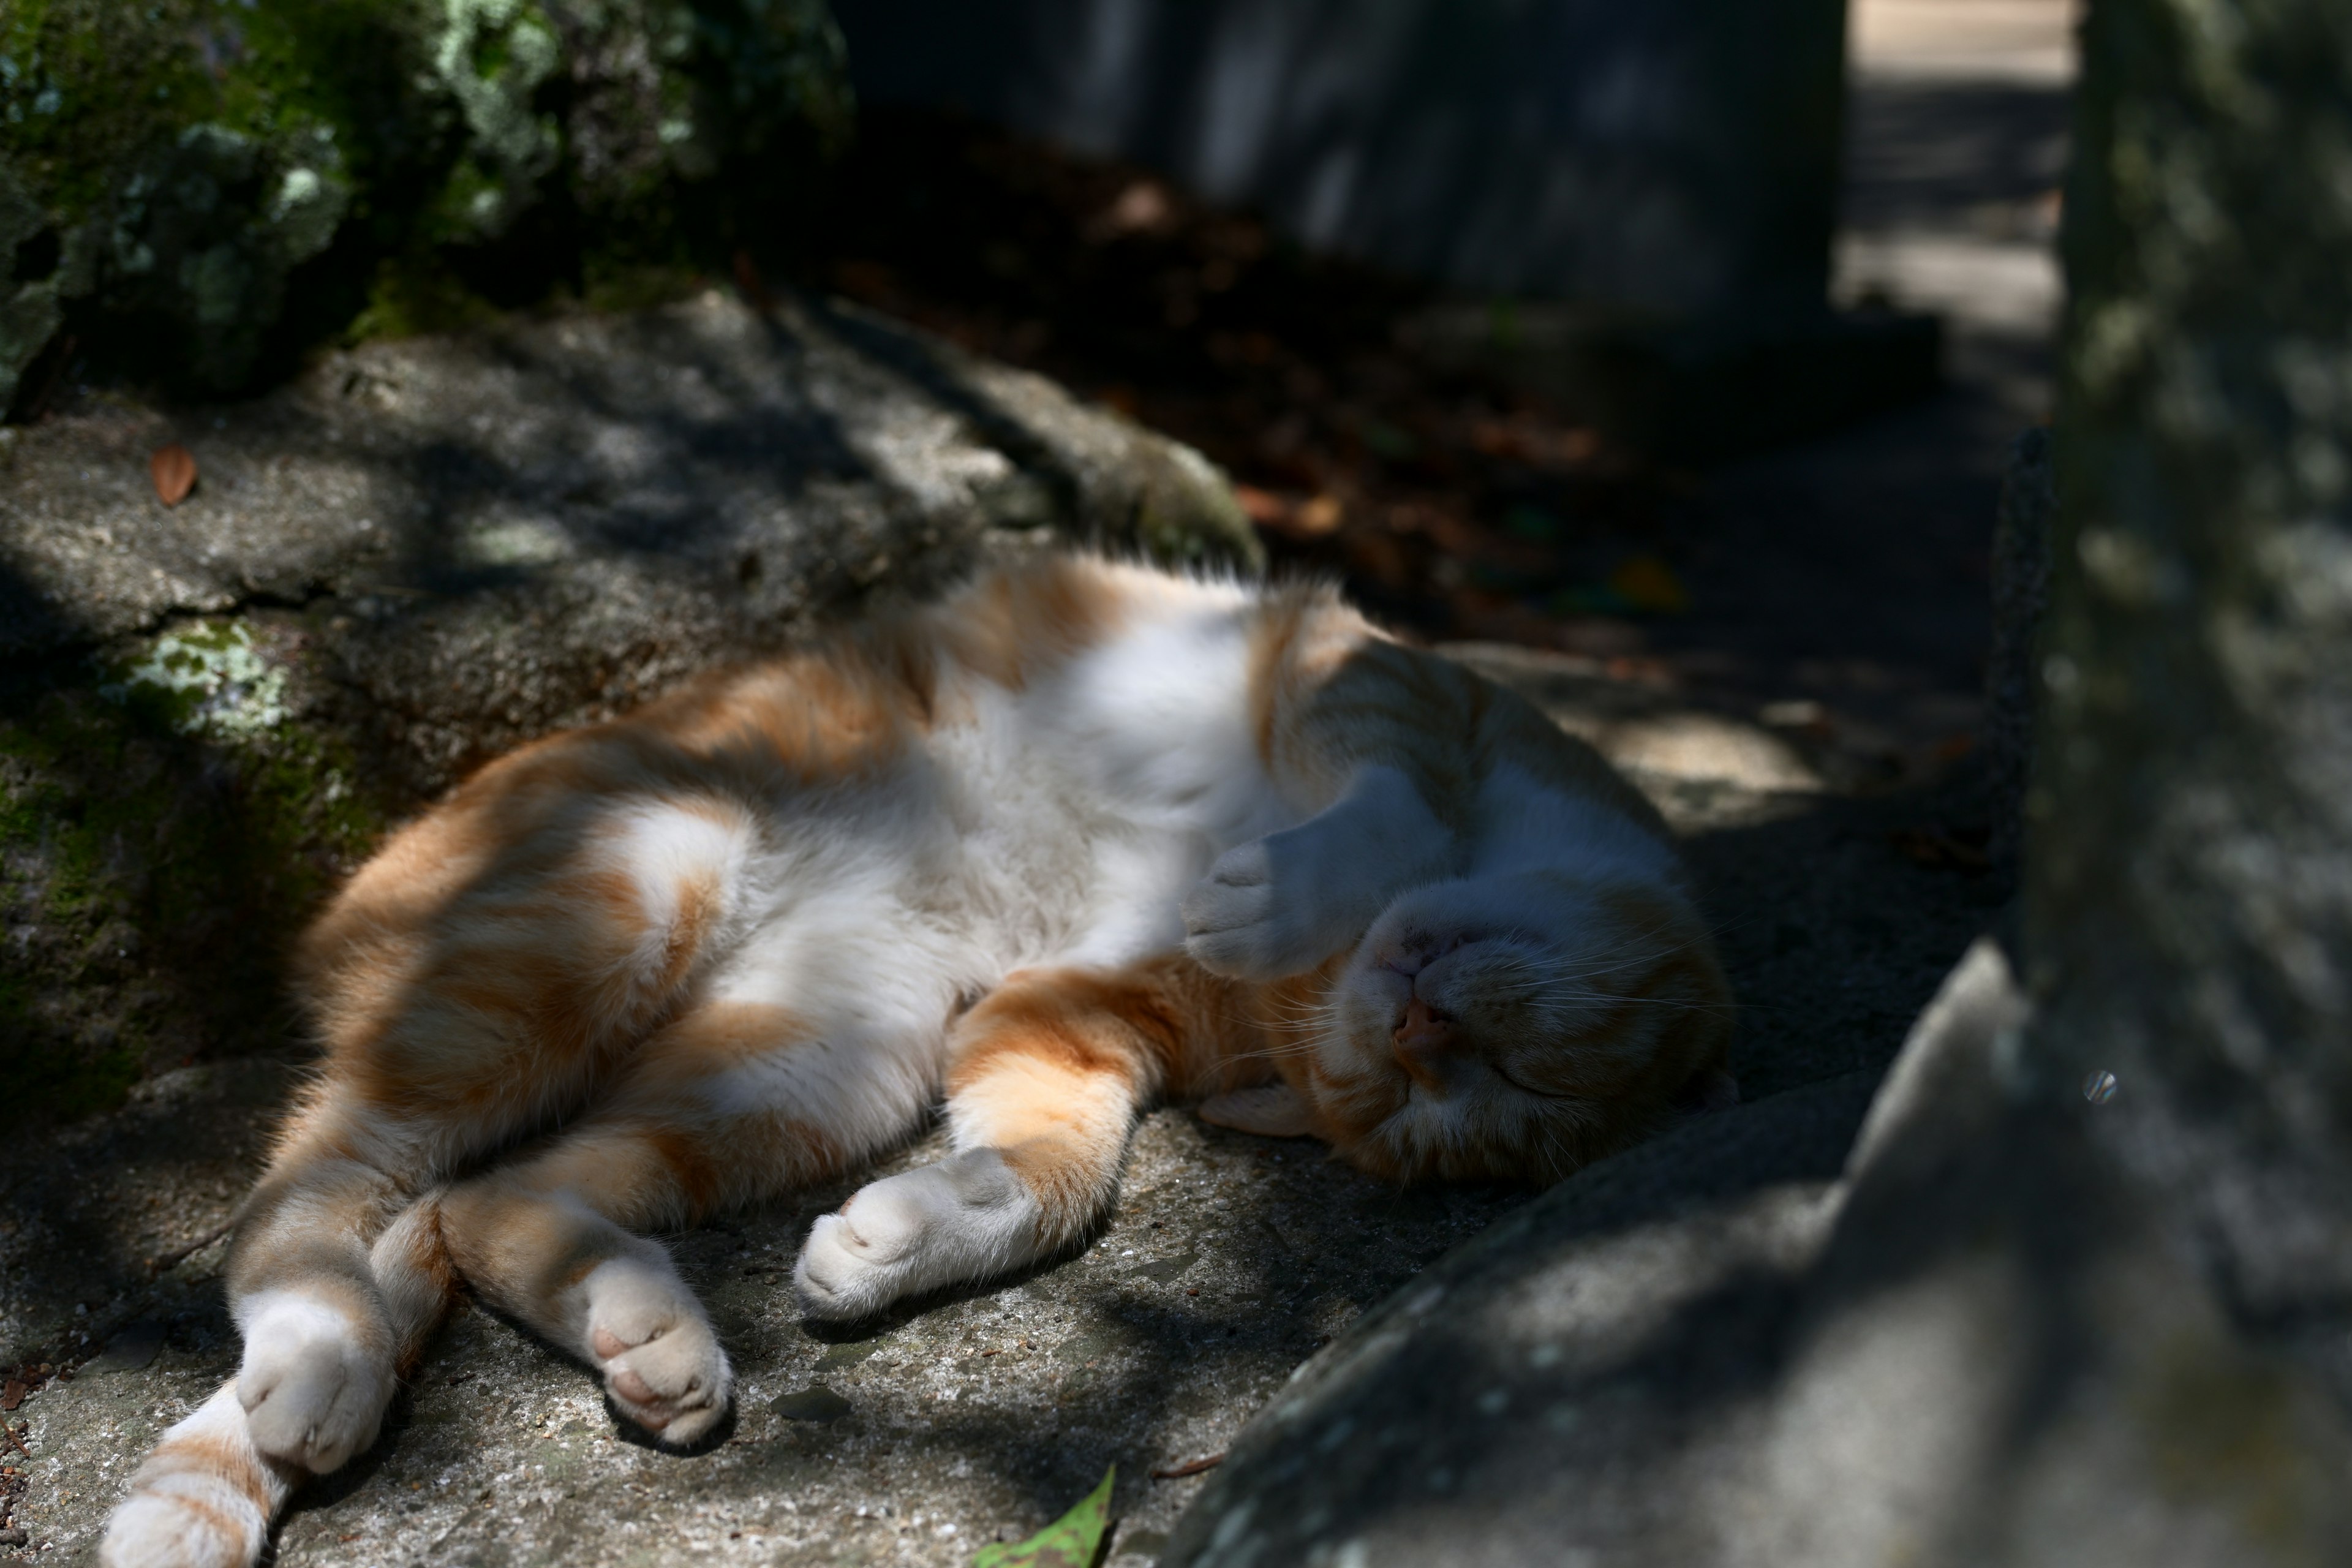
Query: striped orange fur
point(1081, 836)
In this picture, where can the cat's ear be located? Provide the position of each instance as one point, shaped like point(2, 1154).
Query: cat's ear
point(1273, 1111)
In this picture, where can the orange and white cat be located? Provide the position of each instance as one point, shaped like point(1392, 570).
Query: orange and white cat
point(1081, 836)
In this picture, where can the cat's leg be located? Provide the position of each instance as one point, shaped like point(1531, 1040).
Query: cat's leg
point(206, 1497)
point(459, 1016)
point(323, 1341)
point(1045, 1077)
point(728, 1104)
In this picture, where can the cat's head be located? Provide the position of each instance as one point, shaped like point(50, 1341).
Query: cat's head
point(1513, 1026)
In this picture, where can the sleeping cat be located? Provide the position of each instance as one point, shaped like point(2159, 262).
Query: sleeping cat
point(1081, 836)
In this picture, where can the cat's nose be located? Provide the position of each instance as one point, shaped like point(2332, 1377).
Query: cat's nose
point(1422, 1041)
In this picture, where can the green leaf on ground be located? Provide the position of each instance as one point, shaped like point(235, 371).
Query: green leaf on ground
point(1070, 1541)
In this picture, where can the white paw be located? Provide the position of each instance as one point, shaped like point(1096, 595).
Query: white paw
point(159, 1529)
point(202, 1499)
point(964, 1219)
point(661, 1361)
point(1253, 916)
point(1284, 903)
point(314, 1387)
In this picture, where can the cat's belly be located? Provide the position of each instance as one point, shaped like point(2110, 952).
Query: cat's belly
point(874, 923)
point(1044, 826)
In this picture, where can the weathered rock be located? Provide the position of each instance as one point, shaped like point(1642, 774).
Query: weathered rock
point(2001, 1359)
point(1975, 1347)
point(422, 553)
point(171, 167)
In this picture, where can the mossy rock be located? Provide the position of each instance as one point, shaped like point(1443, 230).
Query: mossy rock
point(193, 190)
point(168, 813)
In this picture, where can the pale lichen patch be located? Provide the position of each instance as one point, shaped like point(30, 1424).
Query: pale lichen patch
point(212, 680)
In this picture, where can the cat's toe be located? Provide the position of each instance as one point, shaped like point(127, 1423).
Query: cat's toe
point(837, 1276)
point(662, 1360)
point(1265, 947)
point(963, 1219)
point(677, 1385)
point(314, 1391)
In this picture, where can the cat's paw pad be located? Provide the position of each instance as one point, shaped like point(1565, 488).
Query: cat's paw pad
point(1239, 923)
point(962, 1218)
point(313, 1386)
point(661, 1360)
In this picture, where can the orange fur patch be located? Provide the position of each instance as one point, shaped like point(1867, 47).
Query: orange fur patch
point(498, 970)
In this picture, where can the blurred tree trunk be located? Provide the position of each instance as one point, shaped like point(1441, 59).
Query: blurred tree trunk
point(2190, 832)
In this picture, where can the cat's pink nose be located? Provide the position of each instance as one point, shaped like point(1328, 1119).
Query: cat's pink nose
point(1422, 1040)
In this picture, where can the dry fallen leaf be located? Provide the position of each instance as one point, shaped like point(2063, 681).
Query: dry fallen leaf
point(1263, 506)
point(174, 469)
point(1321, 515)
point(1142, 208)
point(1646, 582)
point(1961, 849)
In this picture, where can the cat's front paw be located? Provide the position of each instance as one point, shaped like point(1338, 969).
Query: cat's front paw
point(963, 1219)
point(661, 1360)
point(1249, 918)
point(313, 1384)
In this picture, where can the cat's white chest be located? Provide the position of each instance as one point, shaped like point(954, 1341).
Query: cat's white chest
point(1060, 823)
point(1087, 804)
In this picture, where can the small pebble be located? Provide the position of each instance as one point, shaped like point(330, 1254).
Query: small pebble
point(816, 1403)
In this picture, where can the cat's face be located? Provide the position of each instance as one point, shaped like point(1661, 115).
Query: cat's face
point(1515, 1027)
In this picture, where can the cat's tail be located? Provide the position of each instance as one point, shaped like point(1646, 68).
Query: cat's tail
point(207, 1495)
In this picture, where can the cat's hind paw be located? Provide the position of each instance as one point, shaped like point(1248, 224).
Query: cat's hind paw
point(313, 1384)
point(158, 1530)
point(202, 1499)
point(966, 1217)
point(662, 1362)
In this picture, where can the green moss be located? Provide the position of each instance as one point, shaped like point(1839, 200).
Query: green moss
point(185, 157)
point(1187, 514)
point(2223, 1431)
point(194, 186)
point(619, 285)
point(414, 294)
point(164, 831)
point(204, 679)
